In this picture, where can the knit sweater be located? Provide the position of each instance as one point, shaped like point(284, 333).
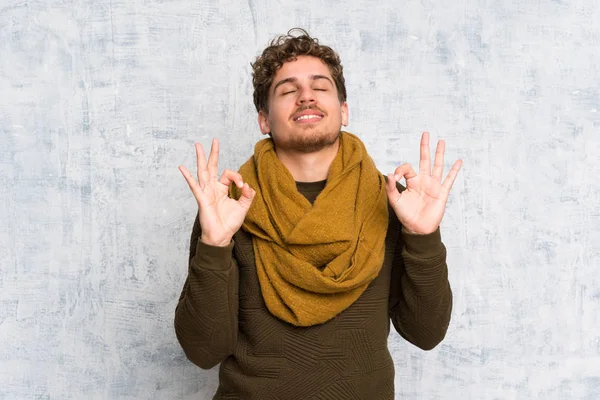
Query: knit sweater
point(222, 318)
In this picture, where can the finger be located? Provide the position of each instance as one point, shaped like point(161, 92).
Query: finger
point(213, 160)
point(449, 181)
point(438, 164)
point(201, 160)
point(392, 191)
point(247, 196)
point(425, 161)
point(192, 183)
point(230, 176)
point(406, 171)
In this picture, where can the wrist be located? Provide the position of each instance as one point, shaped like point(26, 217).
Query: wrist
point(418, 232)
point(423, 246)
point(216, 243)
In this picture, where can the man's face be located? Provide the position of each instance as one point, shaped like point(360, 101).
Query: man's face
point(305, 114)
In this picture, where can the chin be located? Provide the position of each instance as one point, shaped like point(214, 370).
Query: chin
point(309, 143)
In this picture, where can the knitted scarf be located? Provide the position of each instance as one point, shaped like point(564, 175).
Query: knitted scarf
point(314, 261)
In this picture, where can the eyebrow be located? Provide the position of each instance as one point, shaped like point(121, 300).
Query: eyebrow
point(293, 79)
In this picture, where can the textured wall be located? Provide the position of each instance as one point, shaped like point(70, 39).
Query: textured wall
point(101, 100)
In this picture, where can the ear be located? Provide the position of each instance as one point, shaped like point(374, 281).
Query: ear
point(345, 114)
point(263, 122)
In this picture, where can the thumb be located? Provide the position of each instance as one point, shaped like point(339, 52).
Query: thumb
point(391, 189)
point(247, 196)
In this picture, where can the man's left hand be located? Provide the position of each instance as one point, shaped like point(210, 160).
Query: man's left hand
point(421, 206)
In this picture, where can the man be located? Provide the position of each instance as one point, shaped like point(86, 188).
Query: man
point(299, 260)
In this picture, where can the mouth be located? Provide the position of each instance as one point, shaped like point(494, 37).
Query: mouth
point(308, 116)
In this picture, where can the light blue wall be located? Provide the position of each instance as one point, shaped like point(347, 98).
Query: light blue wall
point(101, 100)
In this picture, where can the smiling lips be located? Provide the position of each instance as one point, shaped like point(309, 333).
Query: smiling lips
point(308, 116)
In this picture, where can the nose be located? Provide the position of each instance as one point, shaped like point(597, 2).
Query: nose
point(306, 96)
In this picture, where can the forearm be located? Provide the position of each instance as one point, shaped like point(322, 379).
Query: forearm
point(423, 298)
point(206, 315)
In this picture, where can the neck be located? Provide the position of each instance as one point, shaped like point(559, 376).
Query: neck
point(309, 167)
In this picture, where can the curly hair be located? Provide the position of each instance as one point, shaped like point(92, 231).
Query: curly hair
point(286, 48)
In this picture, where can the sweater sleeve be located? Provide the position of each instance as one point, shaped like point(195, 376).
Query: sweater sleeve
point(420, 296)
point(207, 313)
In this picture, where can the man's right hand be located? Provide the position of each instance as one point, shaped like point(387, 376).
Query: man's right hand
point(220, 216)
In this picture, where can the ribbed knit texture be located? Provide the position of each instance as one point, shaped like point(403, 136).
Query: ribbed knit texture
point(313, 261)
point(221, 317)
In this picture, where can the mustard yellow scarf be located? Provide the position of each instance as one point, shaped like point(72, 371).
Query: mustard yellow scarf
point(314, 261)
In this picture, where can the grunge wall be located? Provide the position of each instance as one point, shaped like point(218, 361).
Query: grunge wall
point(100, 101)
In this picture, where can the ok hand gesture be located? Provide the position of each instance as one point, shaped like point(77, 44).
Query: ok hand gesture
point(220, 216)
point(421, 206)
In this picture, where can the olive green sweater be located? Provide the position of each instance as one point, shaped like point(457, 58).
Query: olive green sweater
point(222, 318)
